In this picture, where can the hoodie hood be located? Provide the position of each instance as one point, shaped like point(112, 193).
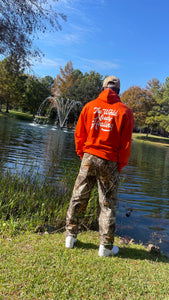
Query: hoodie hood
point(109, 96)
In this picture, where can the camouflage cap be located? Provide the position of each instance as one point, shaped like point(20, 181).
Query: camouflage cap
point(111, 81)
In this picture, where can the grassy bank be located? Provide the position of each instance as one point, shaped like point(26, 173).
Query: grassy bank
point(29, 200)
point(39, 267)
point(158, 140)
point(36, 264)
point(16, 115)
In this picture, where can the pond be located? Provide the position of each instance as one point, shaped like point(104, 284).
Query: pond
point(143, 207)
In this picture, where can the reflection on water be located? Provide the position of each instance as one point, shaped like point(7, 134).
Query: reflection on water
point(145, 181)
point(24, 144)
point(146, 191)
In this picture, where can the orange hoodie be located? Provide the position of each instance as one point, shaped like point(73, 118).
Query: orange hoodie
point(104, 129)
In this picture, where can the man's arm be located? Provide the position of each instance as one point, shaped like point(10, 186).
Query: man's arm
point(125, 142)
point(80, 134)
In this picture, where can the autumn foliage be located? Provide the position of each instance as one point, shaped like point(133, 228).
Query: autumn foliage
point(150, 105)
point(140, 101)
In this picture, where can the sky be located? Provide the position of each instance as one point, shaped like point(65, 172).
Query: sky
point(125, 38)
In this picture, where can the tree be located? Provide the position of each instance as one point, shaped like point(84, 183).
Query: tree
point(158, 116)
point(140, 101)
point(20, 20)
point(87, 87)
point(71, 86)
point(47, 81)
point(10, 81)
point(165, 99)
point(63, 81)
point(164, 105)
point(61, 96)
point(153, 86)
point(35, 93)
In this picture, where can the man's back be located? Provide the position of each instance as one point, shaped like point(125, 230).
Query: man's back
point(104, 124)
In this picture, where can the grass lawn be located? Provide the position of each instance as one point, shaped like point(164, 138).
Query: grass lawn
point(16, 115)
point(151, 139)
point(35, 266)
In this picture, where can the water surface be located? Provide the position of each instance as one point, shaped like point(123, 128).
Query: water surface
point(144, 191)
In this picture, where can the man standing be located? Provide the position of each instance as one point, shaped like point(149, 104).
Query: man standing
point(103, 142)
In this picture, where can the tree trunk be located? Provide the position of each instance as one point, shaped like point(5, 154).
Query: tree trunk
point(7, 106)
point(0, 105)
point(147, 132)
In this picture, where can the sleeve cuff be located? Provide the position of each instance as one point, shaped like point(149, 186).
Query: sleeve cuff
point(120, 167)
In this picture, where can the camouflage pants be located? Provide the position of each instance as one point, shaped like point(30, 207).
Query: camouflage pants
point(95, 169)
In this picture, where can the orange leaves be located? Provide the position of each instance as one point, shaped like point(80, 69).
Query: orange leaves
point(64, 81)
point(139, 100)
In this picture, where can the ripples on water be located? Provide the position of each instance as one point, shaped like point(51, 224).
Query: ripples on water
point(146, 192)
point(36, 146)
point(145, 181)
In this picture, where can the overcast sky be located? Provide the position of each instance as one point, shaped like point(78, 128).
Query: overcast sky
point(125, 38)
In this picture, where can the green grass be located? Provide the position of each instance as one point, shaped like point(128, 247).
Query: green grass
point(28, 200)
point(151, 138)
point(16, 115)
point(37, 266)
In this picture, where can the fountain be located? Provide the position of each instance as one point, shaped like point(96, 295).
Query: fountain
point(62, 106)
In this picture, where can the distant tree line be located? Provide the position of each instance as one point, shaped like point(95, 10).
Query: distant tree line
point(22, 91)
point(26, 92)
point(150, 106)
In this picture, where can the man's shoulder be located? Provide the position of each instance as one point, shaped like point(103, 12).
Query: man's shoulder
point(91, 103)
point(124, 106)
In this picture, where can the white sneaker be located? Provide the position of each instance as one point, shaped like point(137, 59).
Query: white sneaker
point(107, 252)
point(70, 241)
